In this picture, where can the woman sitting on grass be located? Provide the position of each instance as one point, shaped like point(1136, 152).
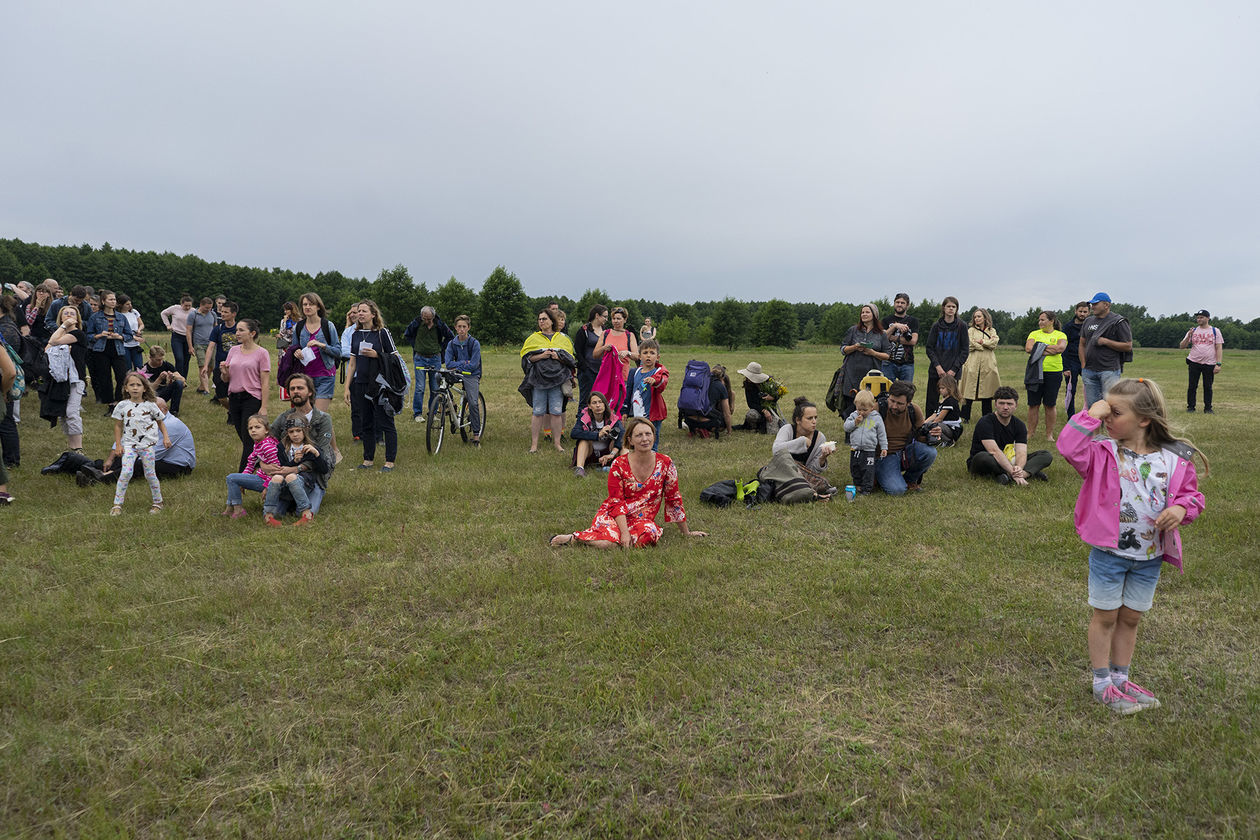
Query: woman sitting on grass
point(637, 484)
point(597, 434)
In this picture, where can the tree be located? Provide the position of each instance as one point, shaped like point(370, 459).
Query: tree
point(836, 322)
point(505, 315)
point(397, 295)
point(730, 323)
point(10, 268)
point(453, 298)
point(583, 306)
point(775, 325)
point(675, 330)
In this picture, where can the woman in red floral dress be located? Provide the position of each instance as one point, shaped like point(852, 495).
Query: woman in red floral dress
point(637, 484)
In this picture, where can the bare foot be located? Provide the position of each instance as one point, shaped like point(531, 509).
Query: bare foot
point(561, 539)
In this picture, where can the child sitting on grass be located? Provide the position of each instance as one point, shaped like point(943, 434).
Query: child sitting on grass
point(645, 389)
point(947, 414)
point(867, 440)
point(296, 449)
point(253, 478)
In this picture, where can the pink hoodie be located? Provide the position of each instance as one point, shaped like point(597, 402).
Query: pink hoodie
point(1098, 505)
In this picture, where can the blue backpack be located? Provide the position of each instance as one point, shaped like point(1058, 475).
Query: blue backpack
point(693, 396)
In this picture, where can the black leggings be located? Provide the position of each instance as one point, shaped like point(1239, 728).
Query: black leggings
point(986, 407)
point(375, 422)
point(241, 406)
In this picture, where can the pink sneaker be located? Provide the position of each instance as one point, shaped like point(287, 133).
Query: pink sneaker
point(1116, 700)
point(1141, 696)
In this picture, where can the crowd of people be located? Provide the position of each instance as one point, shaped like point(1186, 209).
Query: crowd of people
point(1140, 481)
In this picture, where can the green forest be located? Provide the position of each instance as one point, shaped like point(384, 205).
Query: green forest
point(501, 310)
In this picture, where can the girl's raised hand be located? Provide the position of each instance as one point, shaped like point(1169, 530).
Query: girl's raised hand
point(1100, 410)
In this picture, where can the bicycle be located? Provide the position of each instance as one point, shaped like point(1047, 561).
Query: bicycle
point(448, 394)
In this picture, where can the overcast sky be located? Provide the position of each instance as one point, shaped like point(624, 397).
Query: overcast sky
point(1013, 154)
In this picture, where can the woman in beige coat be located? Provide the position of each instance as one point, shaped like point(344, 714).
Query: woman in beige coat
point(979, 377)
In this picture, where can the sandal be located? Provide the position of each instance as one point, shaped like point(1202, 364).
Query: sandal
point(568, 540)
point(116, 510)
point(156, 508)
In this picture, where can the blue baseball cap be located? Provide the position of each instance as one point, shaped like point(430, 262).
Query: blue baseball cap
point(1101, 297)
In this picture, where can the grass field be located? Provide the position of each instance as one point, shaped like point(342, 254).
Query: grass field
point(419, 663)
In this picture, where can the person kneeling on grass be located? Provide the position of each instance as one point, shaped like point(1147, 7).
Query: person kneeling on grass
point(999, 445)
point(637, 484)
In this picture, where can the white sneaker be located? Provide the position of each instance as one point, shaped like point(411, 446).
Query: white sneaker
point(419, 418)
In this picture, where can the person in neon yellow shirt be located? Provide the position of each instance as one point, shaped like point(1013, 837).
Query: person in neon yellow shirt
point(1049, 334)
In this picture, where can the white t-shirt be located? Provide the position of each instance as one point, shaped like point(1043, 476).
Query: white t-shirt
point(140, 423)
point(1143, 496)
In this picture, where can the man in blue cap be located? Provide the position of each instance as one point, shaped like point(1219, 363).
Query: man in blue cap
point(1106, 344)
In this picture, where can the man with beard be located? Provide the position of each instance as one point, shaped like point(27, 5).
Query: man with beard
point(903, 333)
point(902, 420)
point(301, 404)
point(1106, 344)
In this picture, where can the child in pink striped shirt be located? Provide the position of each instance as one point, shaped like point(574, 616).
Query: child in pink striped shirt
point(252, 478)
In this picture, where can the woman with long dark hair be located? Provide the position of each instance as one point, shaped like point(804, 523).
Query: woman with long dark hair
point(108, 330)
point(865, 348)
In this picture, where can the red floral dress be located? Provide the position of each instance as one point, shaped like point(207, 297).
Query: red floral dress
point(639, 503)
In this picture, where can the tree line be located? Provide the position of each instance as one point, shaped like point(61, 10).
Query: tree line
point(503, 313)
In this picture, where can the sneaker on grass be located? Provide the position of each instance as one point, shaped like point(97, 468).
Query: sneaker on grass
point(1143, 697)
point(1116, 700)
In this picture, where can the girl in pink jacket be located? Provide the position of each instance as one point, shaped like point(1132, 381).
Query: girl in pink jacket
point(1140, 484)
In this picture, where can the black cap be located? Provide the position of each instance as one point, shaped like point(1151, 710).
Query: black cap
point(1203, 312)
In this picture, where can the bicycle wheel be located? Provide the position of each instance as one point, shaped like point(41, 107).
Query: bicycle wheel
point(465, 416)
point(436, 424)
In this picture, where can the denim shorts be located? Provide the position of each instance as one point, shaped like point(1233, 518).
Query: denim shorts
point(1117, 581)
point(548, 401)
point(324, 387)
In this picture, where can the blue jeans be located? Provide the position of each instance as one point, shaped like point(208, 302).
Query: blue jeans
point(179, 350)
point(297, 489)
point(236, 482)
point(314, 495)
point(1097, 384)
point(548, 401)
point(426, 368)
point(472, 387)
point(888, 470)
point(894, 371)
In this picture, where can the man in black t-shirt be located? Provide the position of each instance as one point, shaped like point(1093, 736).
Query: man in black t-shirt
point(999, 445)
point(903, 333)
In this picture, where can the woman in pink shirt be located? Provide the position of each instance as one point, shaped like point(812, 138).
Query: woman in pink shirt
point(246, 370)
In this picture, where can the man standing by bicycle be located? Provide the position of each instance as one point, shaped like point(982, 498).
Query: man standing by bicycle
point(463, 356)
point(428, 337)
